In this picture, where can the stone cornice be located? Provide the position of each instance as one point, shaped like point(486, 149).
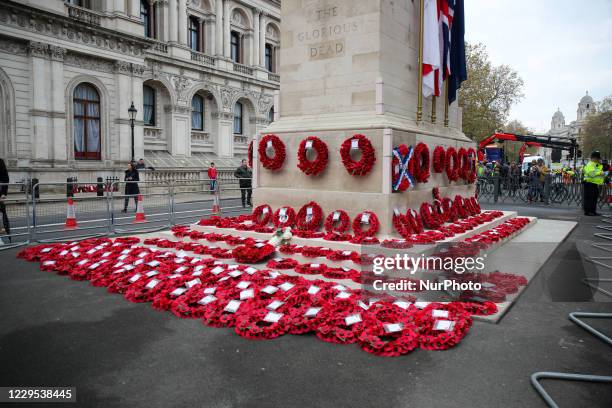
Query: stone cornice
point(23, 17)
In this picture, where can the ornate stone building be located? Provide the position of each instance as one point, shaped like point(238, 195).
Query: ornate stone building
point(573, 130)
point(201, 74)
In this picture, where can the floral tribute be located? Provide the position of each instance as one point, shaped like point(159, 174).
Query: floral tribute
point(368, 235)
point(402, 168)
point(276, 162)
point(439, 159)
point(368, 155)
point(284, 217)
point(452, 164)
point(310, 217)
point(421, 164)
point(251, 254)
point(262, 214)
point(316, 166)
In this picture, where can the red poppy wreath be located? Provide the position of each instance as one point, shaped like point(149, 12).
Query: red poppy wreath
point(421, 165)
point(337, 221)
point(452, 164)
point(316, 166)
point(309, 217)
point(276, 162)
point(367, 218)
point(439, 159)
point(368, 155)
point(284, 217)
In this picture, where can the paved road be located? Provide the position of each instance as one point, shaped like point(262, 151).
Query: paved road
point(60, 332)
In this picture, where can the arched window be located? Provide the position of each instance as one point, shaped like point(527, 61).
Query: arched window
point(194, 34)
point(87, 144)
point(148, 97)
point(197, 113)
point(269, 57)
point(235, 47)
point(145, 18)
point(238, 118)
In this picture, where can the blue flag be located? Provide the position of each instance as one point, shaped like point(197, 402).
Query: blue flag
point(458, 65)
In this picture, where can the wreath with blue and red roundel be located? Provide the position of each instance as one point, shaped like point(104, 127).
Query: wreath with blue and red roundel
point(276, 162)
point(316, 166)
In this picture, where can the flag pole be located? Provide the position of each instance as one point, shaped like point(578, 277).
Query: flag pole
point(433, 109)
point(419, 115)
point(446, 102)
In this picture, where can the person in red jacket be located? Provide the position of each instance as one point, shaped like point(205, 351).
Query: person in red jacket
point(212, 176)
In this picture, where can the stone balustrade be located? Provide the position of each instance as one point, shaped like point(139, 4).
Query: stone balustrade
point(203, 58)
point(83, 14)
point(243, 69)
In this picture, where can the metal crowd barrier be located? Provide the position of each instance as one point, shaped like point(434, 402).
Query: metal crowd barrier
point(15, 213)
point(50, 212)
point(556, 190)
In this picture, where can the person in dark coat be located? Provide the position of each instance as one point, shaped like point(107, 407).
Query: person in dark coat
point(244, 175)
point(4, 180)
point(131, 186)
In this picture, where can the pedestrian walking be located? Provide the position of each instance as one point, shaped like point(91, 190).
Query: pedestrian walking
point(244, 176)
point(212, 176)
point(4, 180)
point(534, 181)
point(544, 178)
point(593, 178)
point(131, 186)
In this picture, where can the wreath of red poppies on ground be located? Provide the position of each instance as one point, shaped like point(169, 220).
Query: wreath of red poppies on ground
point(430, 216)
point(396, 169)
point(277, 161)
point(415, 221)
point(372, 222)
point(251, 254)
point(452, 164)
point(421, 165)
point(285, 220)
point(402, 225)
point(312, 221)
point(439, 159)
point(337, 223)
point(368, 156)
point(262, 214)
point(250, 154)
point(315, 167)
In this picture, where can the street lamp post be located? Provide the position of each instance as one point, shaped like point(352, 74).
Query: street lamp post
point(132, 111)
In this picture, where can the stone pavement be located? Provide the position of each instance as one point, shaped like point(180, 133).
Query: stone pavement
point(60, 332)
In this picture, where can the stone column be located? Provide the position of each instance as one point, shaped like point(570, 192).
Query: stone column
point(202, 27)
point(58, 107)
point(182, 21)
point(210, 38)
point(134, 10)
point(256, 16)
point(226, 29)
point(41, 90)
point(172, 21)
point(225, 135)
point(162, 23)
point(262, 40)
point(219, 28)
point(121, 144)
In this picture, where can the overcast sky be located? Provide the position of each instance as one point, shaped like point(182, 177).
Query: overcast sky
point(560, 48)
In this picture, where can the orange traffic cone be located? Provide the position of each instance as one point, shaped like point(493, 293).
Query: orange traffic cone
point(71, 222)
point(140, 215)
point(216, 209)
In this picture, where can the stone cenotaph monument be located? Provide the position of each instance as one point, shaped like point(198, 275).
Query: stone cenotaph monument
point(351, 67)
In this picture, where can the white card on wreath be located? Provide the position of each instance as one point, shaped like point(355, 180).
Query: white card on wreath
point(440, 313)
point(355, 144)
point(269, 144)
point(393, 327)
point(232, 306)
point(247, 294)
point(178, 291)
point(312, 312)
point(275, 305)
point(336, 216)
point(273, 317)
point(207, 299)
point(210, 291)
point(444, 325)
point(270, 289)
point(243, 285)
point(250, 270)
point(352, 319)
point(193, 282)
point(153, 283)
point(365, 218)
point(265, 210)
point(400, 303)
point(308, 144)
point(313, 290)
point(286, 286)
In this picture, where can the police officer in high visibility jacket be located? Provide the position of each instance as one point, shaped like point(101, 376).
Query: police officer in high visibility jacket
point(593, 178)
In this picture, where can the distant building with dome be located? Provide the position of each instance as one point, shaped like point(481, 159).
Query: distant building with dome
point(573, 130)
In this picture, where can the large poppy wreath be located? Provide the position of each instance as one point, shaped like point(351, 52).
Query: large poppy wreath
point(368, 155)
point(316, 166)
point(276, 162)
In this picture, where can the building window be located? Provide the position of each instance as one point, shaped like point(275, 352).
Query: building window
point(238, 118)
point(271, 115)
point(87, 145)
point(269, 58)
point(145, 18)
point(235, 47)
point(148, 97)
point(197, 113)
point(194, 34)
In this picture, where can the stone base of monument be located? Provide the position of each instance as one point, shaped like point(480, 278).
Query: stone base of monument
point(523, 253)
